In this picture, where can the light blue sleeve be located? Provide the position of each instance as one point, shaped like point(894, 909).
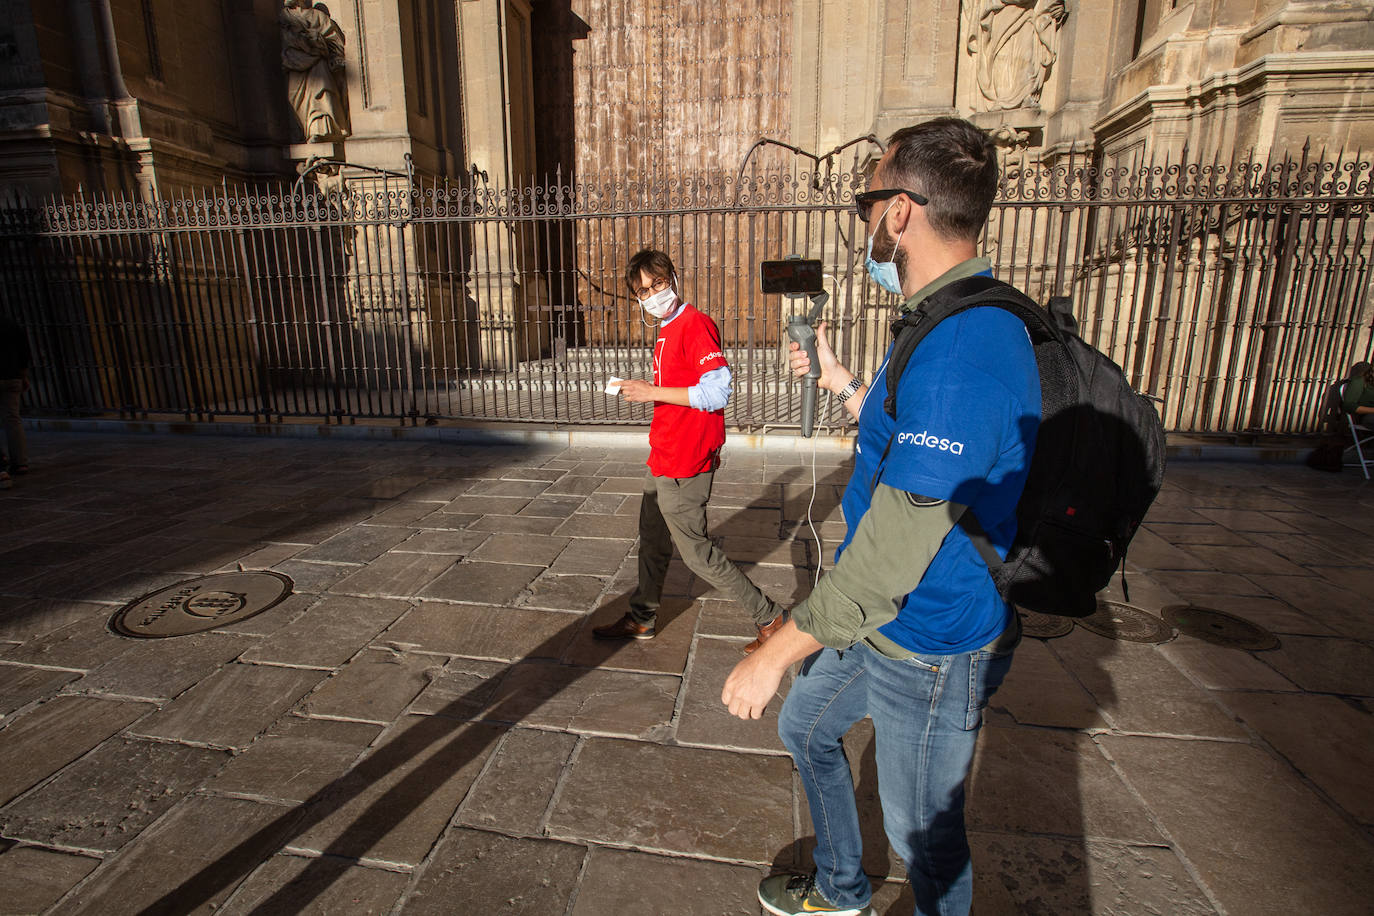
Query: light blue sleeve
point(712, 390)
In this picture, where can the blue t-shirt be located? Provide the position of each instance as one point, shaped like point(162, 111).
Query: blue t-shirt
point(968, 408)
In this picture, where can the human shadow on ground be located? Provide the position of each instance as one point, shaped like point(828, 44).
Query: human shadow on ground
point(452, 737)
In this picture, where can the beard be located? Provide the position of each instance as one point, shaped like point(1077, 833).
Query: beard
point(883, 245)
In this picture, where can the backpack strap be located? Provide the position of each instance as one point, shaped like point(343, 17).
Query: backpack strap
point(913, 326)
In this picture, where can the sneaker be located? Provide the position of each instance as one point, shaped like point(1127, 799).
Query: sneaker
point(624, 628)
point(796, 895)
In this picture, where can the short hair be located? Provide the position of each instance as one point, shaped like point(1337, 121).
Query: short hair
point(954, 165)
point(653, 262)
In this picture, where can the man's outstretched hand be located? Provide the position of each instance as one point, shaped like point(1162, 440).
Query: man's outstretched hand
point(751, 686)
point(754, 682)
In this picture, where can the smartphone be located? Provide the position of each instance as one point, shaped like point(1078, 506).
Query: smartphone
point(791, 276)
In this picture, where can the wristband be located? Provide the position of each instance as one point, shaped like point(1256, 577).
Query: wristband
point(848, 391)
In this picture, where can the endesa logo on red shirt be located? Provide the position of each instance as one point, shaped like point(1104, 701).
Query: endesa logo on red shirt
point(714, 354)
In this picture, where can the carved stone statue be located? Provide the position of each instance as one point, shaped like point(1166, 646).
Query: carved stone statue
point(1013, 44)
point(312, 53)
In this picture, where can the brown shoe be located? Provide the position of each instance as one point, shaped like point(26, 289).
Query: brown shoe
point(765, 631)
point(624, 628)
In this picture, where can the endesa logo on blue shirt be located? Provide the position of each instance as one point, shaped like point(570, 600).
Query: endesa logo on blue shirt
point(926, 440)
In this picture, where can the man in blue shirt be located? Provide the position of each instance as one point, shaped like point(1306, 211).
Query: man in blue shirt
point(908, 627)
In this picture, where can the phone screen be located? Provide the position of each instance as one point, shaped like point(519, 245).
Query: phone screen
point(791, 276)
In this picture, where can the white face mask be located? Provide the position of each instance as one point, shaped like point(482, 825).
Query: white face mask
point(660, 303)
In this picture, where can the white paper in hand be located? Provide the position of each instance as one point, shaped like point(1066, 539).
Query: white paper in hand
point(613, 385)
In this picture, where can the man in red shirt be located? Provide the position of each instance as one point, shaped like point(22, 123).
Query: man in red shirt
point(690, 389)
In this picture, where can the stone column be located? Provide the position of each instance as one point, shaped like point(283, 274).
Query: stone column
point(494, 45)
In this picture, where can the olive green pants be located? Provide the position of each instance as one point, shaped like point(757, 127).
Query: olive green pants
point(673, 514)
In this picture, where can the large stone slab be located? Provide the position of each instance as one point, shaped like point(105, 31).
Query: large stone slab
point(295, 759)
point(1249, 519)
point(490, 873)
point(33, 879)
point(705, 721)
point(187, 862)
point(1139, 691)
point(666, 653)
point(44, 740)
point(577, 594)
point(481, 583)
point(487, 505)
point(1043, 781)
point(589, 700)
point(23, 620)
point(1316, 597)
point(584, 525)
point(21, 685)
point(314, 578)
point(393, 575)
point(106, 798)
point(1222, 667)
point(1192, 584)
point(393, 804)
point(483, 632)
point(704, 802)
point(512, 524)
point(1260, 840)
point(164, 668)
point(358, 544)
point(231, 707)
point(620, 881)
point(462, 690)
point(553, 506)
point(328, 634)
point(1046, 876)
point(376, 686)
point(529, 549)
point(448, 542)
point(1039, 690)
point(513, 793)
point(1327, 740)
point(81, 645)
point(294, 884)
point(1246, 559)
point(1325, 665)
point(592, 556)
point(1270, 613)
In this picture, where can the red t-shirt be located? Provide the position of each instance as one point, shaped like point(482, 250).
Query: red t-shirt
point(684, 441)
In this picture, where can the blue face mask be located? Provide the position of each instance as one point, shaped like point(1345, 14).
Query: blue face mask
point(884, 274)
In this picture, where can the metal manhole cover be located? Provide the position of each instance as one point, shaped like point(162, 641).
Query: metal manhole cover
point(1043, 626)
point(201, 604)
point(1219, 628)
point(1115, 620)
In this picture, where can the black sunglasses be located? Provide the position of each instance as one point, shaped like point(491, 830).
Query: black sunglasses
point(863, 202)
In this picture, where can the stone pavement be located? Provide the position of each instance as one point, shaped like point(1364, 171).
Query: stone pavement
point(425, 726)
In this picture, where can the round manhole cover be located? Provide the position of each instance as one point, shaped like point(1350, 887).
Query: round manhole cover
point(1043, 626)
point(201, 604)
point(1219, 628)
point(1115, 620)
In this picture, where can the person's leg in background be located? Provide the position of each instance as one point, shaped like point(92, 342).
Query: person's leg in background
point(11, 394)
point(655, 552)
point(683, 504)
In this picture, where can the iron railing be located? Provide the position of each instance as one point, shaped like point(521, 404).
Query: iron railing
point(1233, 293)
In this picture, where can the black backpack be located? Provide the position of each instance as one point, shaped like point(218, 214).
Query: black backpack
point(1097, 466)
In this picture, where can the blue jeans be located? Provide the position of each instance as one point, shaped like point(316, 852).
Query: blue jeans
point(926, 712)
